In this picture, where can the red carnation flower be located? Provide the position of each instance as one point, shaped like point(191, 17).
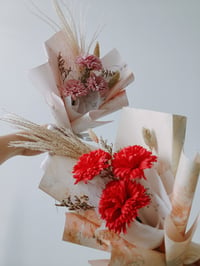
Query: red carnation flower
point(90, 165)
point(131, 161)
point(120, 202)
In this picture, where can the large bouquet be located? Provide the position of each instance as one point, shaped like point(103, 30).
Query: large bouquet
point(132, 199)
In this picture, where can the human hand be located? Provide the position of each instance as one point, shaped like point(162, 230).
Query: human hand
point(7, 151)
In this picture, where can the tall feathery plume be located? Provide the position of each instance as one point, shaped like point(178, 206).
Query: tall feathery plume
point(75, 27)
point(69, 28)
point(39, 13)
point(58, 141)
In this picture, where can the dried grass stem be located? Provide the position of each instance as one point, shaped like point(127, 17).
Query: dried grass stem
point(58, 141)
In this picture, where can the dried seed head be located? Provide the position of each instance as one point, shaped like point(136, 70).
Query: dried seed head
point(149, 138)
point(97, 50)
point(114, 79)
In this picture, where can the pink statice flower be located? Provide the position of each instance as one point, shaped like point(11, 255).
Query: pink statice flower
point(96, 83)
point(74, 88)
point(91, 62)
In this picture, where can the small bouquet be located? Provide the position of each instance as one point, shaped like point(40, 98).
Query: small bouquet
point(80, 86)
point(132, 199)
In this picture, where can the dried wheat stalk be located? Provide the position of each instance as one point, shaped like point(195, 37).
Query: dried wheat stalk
point(58, 141)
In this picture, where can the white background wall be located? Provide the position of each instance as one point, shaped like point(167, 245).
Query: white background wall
point(159, 40)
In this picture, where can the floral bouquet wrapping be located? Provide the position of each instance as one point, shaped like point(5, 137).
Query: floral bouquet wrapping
point(79, 86)
point(132, 199)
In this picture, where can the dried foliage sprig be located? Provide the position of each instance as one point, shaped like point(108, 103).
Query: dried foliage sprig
point(105, 146)
point(150, 139)
point(102, 142)
point(79, 203)
point(64, 72)
point(107, 173)
point(108, 73)
point(59, 141)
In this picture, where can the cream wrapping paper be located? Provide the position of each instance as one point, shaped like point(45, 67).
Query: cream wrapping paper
point(58, 182)
point(43, 79)
point(183, 191)
point(99, 262)
point(169, 130)
point(122, 256)
point(179, 249)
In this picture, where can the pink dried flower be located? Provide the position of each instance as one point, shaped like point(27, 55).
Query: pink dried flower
point(91, 62)
point(96, 83)
point(74, 88)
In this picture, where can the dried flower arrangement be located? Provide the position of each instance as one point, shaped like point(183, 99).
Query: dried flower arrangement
point(80, 86)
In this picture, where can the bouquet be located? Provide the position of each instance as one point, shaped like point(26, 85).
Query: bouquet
point(132, 199)
point(79, 86)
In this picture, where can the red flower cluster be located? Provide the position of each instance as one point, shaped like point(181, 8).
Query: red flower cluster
point(123, 196)
point(131, 161)
point(90, 165)
point(120, 202)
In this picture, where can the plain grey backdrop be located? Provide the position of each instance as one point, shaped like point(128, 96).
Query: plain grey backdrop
point(160, 41)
